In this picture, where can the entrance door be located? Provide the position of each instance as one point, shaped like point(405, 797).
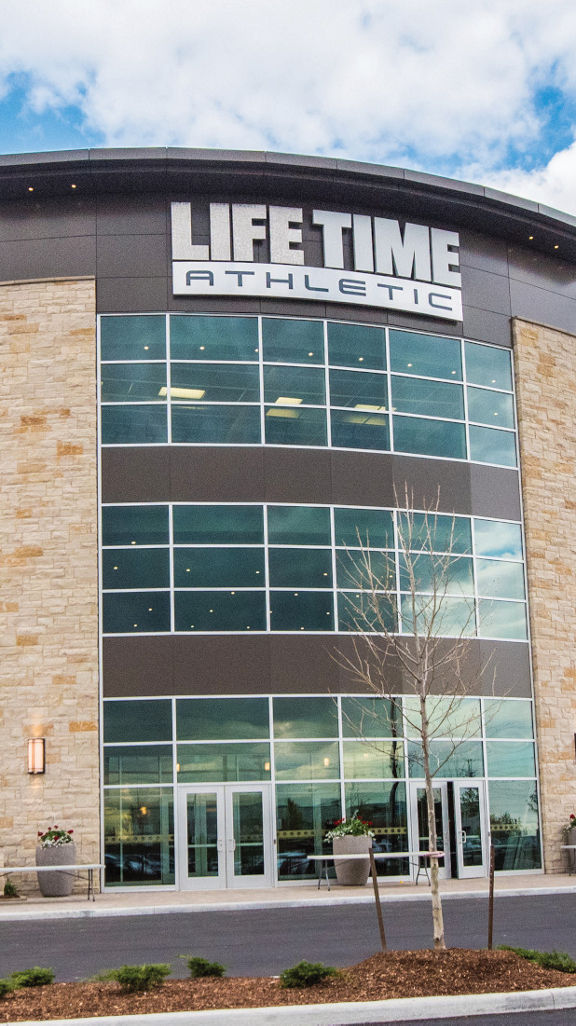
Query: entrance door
point(419, 819)
point(469, 820)
point(225, 836)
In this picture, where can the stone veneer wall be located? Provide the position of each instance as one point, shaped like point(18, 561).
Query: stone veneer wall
point(48, 554)
point(545, 362)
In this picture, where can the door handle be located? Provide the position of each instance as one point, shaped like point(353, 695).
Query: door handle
point(220, 845)
point(464, 837)
point(231, 844)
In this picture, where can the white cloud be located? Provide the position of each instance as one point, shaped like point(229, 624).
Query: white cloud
point(432, 83)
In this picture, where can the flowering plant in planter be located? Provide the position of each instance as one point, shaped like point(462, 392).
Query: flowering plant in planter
point(353, 827)
point(54, 837)
point(570, 825)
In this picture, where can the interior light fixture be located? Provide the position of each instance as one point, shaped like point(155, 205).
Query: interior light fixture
point(530, 238)
point(556, 246)
point(183, 393)
point(367, 408)
point(36, 755)
point(30, 188)
point(288, 400)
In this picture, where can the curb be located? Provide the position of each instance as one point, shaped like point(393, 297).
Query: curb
point(93, 911)
point(398, 1010)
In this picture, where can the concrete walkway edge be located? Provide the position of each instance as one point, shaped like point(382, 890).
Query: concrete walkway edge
point(399, 1010)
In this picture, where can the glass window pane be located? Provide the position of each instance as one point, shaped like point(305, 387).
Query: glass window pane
point(139, 836)
point(293, 386)
point(490, 446)
point(500, 579)
point(219, 383)
point(209, 424)
point(298, 525)
point(465, 761)
point(514, 824)
point(213, 338)
point(142, 720)
point(373, 759)
point(305, 717)
point(306, 760)
point(434, 531)
point(126, 425)
point(221, 719)
point(220, 610)
point(133, 338)
point(487, 365)
point(212, 763)
point(384, 806)
point(356, 345)
point(360, 429)
point(304, 813)
point(452, 717)
point(492, 408)
point(495, 538)
point(371, 570)
point(219, 568)
point(502, 620)
point(136, 568)
point(439, 617)
point(508, 718)
point(444, 574)
point(367, 527)
point(510, 759)
point(426, 355)
point(133, 382)
point(151, 764)
point(300, 568)
point(298, 341)
point(356, 389)
point(301, 611)
point(430, 437)
point(219, 525)
point(136, 612)
point(290, 426)
point(371, 717)
point(361, 612)
point(135, 525)
point(427, 398)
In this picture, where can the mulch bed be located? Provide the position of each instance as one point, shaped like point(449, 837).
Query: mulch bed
point(395, 974)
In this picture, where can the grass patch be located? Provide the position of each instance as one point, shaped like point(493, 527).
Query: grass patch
point(547, 959)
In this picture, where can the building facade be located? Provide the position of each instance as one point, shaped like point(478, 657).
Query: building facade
point(221, 373)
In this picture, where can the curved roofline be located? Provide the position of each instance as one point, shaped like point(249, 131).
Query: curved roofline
point(413, 193)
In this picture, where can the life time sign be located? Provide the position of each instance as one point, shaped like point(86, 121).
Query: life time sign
point(411, 268)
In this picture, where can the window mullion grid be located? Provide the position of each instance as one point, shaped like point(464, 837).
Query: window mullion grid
point(395, 515)
point(474, 578)
point(334, 569)
point(389, 382)
point(266, 567)
point(171, 562)
point(327, 398)
point(261, 382)
point(465, 397)
point(168, 381)
point(341, 756)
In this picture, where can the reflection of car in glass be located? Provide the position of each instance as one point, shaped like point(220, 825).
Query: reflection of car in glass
point(133, 866)
point(295, 863)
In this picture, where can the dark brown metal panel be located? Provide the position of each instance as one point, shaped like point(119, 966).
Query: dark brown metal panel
point(137, 666)
point(431, 482)
point(233, 474)
point(495, 492)
point(141, 474)
point(362, 479)
point(297, 475)
point(221, 665)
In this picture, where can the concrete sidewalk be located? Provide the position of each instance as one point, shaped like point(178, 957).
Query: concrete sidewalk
point(149, 902)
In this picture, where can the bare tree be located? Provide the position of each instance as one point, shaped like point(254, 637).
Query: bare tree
point(414, 620)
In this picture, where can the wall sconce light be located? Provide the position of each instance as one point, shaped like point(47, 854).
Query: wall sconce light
point(36, 755)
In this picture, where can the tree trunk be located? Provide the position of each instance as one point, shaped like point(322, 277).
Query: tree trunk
point(437, 914)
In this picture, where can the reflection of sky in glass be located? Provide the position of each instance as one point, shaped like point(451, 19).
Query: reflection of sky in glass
point(500, 579)
point(447, 717)
point(306, 760)
point(510, 758)
point(495, 538)
point(465, 761)
point(507, 718)
point(441, 572)
point(305, 717)
point(448, 616)
point(513, 802)
point(365, 760)
point(502, 619)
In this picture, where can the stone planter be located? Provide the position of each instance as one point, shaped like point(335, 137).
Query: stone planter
point(355, 872)
point(56, 885)
point(571, 855)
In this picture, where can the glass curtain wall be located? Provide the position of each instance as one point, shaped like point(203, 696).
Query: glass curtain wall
point(326, 758)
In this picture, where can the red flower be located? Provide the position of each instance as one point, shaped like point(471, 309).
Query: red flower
point(39, 833)
point(55, 827)
point(572, 816)
point(70, 831)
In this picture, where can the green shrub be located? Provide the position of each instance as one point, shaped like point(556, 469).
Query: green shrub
point(547, 959)
point(10, 889)
point(34, 977)
point(133, 978)
point(306, 974)
point(202, 967)
point(5, 987)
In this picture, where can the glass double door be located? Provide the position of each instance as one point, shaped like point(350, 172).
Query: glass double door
point(225, 836)
point(463, 802)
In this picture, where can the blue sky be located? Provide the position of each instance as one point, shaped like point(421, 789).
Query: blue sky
point(484, 91)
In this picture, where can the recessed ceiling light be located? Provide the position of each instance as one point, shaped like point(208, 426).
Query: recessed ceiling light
point(30, 188)
point(556, 246)
point(73, 186)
